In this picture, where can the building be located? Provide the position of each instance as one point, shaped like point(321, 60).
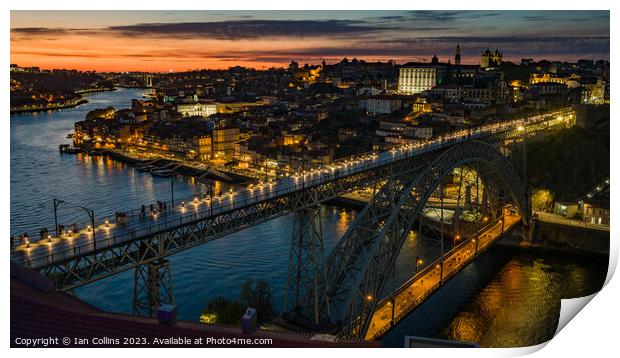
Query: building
point(490, 58)
point(596, 212)
point(592, 90)
point(416, 78)
point(181, 140)
point(419, 132)
point(566, 209)
point(381, 104)
point(197, 109)
point(457, 55)
point(223, 141)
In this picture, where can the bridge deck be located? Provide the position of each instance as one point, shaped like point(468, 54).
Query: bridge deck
point(41, 253)
point(415, 291)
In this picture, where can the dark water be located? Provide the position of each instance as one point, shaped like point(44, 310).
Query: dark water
point(505, 298)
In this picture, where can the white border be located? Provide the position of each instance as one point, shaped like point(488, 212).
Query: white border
point(592, 333)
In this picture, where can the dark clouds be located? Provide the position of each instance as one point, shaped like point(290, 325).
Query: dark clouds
point(251, 29)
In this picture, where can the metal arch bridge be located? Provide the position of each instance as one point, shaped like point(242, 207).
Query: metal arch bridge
point(140, 242)
point(363, 260)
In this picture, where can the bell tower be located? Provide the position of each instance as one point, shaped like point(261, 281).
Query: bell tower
point(457, 55)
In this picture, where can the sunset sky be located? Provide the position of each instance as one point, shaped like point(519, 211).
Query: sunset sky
point(183, 40)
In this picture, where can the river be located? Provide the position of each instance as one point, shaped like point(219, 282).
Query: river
point(505, 298)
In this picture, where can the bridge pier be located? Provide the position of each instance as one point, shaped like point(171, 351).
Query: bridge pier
point(306, 268)
point(152, 287)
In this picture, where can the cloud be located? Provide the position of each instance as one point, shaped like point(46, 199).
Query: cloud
point(39, 30)
point(449, 16)
point(250, 29)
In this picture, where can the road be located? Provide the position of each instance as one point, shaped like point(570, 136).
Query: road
point(418, 288)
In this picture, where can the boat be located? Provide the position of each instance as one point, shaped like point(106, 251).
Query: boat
point(67, 148)
point(144, 168)
point(162, 172)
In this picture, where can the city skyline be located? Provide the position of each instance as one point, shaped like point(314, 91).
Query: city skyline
point(160, 41)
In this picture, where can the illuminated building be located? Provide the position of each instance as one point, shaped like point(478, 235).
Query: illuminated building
point(490, 58)
point(223, 141)
point(416, 78)
point(197, 109)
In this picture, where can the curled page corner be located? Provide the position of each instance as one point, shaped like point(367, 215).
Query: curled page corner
point(613, 260)
point(570, 308)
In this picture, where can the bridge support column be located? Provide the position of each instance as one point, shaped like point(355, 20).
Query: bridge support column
point(152, 287)
point(306, 268)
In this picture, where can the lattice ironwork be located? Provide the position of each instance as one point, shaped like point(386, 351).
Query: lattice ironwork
point(152, 287)
point(79, 269)
point(305, 293)
point(363, 259)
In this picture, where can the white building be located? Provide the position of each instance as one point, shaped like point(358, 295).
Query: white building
point(197, 109)
point(381, 104)
point(416, 79)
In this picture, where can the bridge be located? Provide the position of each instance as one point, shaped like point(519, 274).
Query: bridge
point(343, 289)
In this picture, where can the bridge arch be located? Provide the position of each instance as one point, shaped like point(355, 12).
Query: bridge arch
point(361, 262)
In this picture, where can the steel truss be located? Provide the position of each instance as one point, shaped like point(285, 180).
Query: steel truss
point(81, 269)
point(306, 271)
point(363, 259)
point(152, 287)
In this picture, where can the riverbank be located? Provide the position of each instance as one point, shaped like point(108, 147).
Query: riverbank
point(49, 108)
point(515, 240)
point(182, 168)
point(95, 90)
point(71, 104)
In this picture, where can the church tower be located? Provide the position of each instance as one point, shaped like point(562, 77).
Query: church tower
point(457, 55)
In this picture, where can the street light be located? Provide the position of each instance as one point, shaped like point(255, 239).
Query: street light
point(172, 180)
point(89, 212)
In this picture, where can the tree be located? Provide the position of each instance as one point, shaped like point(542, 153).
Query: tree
point(221, 310)
point(101, 113)
point(258, 295)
